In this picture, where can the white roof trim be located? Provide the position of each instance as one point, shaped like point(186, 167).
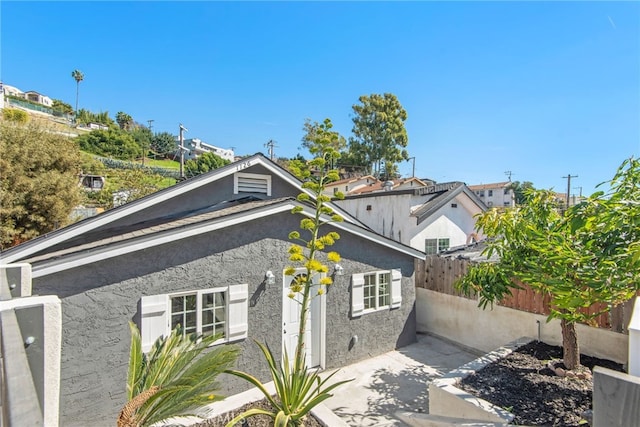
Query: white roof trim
point(126, 247)
point(42, 242)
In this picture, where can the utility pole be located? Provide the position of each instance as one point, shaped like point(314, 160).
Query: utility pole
point(568, 177)
point(579, 197)
point(145, 149)
point(509, 173)
point(271, 144)
point(413, 168)
point(182, 149)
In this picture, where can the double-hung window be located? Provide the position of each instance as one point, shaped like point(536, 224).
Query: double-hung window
point(220, 310)
point(375, 290)
point(434, 246)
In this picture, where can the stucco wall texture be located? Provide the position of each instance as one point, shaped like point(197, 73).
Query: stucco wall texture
point(99, 299)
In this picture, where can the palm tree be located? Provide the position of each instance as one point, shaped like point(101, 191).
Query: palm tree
point(174, 379)
point(78, 76)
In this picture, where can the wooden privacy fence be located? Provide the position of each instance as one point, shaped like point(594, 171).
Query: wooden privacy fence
point(439, 274)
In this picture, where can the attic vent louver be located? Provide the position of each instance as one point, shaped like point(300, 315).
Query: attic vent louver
point(252, 183)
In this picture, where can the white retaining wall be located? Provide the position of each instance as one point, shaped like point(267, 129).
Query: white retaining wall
point(461, 320)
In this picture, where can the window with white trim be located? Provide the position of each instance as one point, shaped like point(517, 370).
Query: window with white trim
point(375, 290)
point(251, 183)
point(201, 312)
point(434, 246)
point(221, 310)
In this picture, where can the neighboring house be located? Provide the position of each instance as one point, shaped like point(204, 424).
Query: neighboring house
point(430, 219)
point(31, 95)
point(34, 96)
point(97, 126)
point(348, 185)
point(92, 182)
point(396, 184)
point(209, 253)
point(11, 91)
point(196, 147)
point(499, 194)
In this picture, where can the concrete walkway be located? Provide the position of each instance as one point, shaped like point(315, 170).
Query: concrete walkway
point(395, 381)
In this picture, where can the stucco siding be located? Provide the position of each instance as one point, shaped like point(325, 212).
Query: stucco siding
point(99, 300)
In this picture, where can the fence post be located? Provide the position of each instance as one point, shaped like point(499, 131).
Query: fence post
point(634, 340)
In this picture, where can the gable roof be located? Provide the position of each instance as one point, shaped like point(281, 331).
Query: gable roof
point(48, 240)
point(443, 194)
point(217, 218)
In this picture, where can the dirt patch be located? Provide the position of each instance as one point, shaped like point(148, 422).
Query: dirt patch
point(256, 421)
point(523, 384)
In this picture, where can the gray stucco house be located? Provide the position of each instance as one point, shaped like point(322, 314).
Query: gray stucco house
point(198, 254)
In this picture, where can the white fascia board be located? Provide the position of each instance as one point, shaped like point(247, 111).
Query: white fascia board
point(126, 247)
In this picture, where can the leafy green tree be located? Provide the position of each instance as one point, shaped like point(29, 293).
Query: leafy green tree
point(589, 255)
point(124, 120)
point(85, 117)
point(143, 136)
point(15, 115)
point(62, 107)
point(38, 182)
point(298, 389)
point(110, 143)
point(379, 134)
point(163, 143)
point(78, 76)
point(520, 190)
point(204, 163)
point(178, 376)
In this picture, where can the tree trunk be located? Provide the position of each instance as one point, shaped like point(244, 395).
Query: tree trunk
point(570, 349)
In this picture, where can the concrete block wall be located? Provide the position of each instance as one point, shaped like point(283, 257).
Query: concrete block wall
point(461, 320)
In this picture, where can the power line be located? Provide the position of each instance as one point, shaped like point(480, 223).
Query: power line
point(509, 173)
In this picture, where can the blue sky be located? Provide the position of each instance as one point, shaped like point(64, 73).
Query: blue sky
point(539, 89)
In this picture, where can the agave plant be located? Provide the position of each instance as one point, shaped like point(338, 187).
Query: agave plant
point(174, 379)
point(297, 390)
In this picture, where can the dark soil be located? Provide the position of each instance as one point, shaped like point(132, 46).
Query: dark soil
point(255, 421)
point(524, 385)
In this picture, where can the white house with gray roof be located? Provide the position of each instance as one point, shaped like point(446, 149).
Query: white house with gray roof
point(210, 253)
point(431, 218)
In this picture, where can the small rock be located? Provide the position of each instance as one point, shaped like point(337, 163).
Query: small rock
point(571, 374)
point(561, 372)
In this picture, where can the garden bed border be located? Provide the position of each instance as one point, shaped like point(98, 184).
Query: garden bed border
point(446, 399)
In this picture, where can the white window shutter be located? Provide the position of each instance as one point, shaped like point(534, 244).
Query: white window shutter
point(154, 322)
point(357, 295)
point(396, 288)
point(238, 312)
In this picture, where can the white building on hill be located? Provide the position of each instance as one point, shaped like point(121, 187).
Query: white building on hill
point(197, 147)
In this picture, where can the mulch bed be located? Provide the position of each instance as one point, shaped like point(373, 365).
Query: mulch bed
point(255, 421)
point(524, 385)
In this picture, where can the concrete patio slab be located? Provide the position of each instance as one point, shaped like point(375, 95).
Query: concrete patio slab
point(395, 381)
